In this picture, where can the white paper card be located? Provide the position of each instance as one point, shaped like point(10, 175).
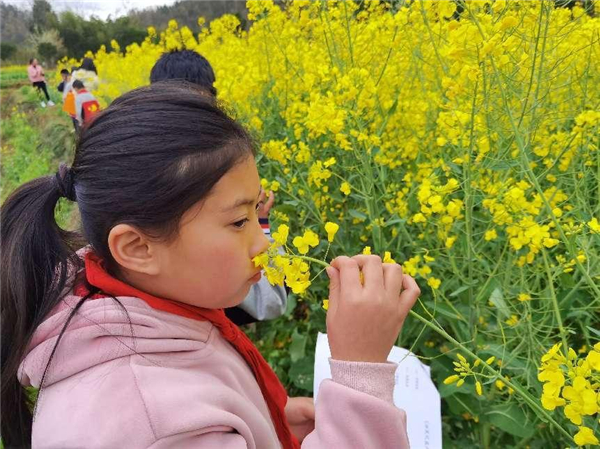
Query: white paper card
point(415, 393)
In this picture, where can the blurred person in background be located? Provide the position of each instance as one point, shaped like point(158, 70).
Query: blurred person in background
point(87, 74)
point(86, 105)
point(68, 95)
point(38, 80)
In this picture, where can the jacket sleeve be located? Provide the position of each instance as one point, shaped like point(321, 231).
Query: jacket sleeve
point(355, 409)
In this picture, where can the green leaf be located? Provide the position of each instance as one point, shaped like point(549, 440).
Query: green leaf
point(301, 373)
point(511, 419)
point(291, 304)
point(593, 331)
point(447, 390)
point(395, 221)
point(298, 346)
point(356, 214)
point(497, 298)
point(445, 311)
point(566, 281)
point(459, 290)
point(459, 402)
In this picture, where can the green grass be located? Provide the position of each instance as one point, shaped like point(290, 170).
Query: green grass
point(35, 141)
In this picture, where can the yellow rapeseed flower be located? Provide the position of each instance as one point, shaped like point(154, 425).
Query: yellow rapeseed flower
point(387, 257)
point(451, 379)
point(490, 235)
point(594, 225)
point(309, 239)
point(331, 229)
point(281, 235)
point(345, 188)
point(585, 436)
point(434, 283)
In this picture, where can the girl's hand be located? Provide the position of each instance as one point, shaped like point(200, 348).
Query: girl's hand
point(264, 208)
point(365, 316)
point(300, 413)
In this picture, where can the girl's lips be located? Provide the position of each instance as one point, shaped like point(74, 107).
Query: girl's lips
point(256, 277)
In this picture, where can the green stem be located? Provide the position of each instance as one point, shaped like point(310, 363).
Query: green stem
point(561, 328)
point(308, 259)
point(532, 402)
point(474, 309)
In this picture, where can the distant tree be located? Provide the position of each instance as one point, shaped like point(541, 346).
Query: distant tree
point(47, 52)
point(78, 34)
point(14, 23)
point(186, 13)
point(43, 17)
point(47, 45)
point(7, 50)
point(125, 32)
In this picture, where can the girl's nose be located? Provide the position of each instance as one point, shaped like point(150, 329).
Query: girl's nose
point(261, 242)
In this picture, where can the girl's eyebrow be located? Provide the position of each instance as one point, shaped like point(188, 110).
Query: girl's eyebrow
point(242, 202)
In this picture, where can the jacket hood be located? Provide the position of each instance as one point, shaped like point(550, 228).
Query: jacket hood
point(102, 330)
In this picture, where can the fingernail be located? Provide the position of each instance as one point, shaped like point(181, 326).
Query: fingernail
point(328, 271)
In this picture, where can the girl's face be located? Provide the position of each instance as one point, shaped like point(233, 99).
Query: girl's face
point(209, 264)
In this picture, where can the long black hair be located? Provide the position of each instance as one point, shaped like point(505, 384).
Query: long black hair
point(150, 156)
point(88, 64)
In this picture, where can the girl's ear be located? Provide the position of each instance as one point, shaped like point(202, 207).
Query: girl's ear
point(133, 250)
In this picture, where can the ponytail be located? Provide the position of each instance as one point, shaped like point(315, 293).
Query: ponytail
point(34, 267)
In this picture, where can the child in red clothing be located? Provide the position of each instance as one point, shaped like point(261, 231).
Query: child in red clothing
point(86, 105)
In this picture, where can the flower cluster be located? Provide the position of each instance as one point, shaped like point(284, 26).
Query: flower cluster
point(281, 265)
point(464, 370)
point(572, 382)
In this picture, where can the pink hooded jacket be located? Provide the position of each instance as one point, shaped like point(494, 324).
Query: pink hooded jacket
point(152, 379)
point(36, 73)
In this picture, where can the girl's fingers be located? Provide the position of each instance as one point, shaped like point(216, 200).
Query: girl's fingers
point(372, 271)
point(334, 287)
point(409, 295)
point(349, 273)
point(392, 277)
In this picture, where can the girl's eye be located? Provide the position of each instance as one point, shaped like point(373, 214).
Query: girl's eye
point(241, 223)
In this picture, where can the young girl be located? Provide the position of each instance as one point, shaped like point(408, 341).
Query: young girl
point(127, 339)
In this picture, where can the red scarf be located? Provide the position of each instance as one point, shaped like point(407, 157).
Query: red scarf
point(270, 386)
